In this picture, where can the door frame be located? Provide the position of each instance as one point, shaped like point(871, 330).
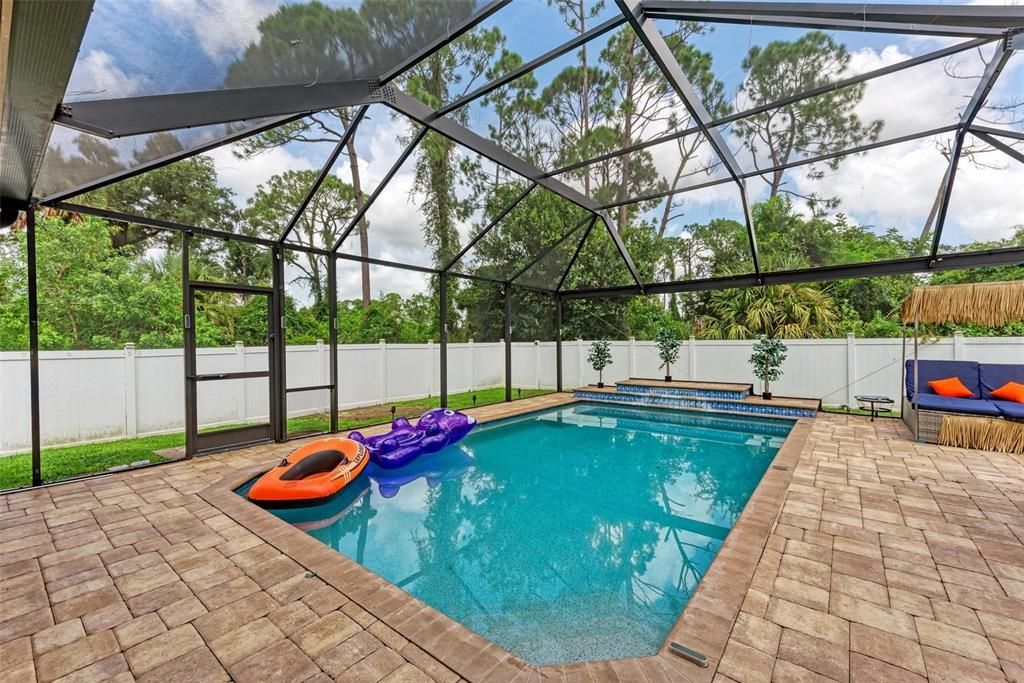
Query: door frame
point(197, 443)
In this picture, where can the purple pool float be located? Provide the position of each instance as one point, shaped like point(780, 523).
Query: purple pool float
point(435, 429)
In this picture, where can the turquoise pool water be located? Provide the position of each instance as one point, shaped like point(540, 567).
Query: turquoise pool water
point(569, 534)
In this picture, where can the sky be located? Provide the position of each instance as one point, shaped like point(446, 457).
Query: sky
point(139, 47)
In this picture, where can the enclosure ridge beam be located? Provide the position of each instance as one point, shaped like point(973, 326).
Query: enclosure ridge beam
point(662, 55)
point(418, 111)
point(833, 24)
point(621, 246)
point(535, 63)
point(544, 252)
point(170, 226)
point(977, 101)
point(791, 99)
point(324, 172)
point(480, 235)
point(444, 41)
point(921, 264)
point(999, 144)
point(1000, 132)
point(791, 164)
point(911, 17)
point(154, 113)
point(402, 158)
point(166, 160)
point(575, 255)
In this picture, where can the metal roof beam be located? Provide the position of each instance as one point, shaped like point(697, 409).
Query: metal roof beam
point(791, 164)
point(659, 50)
point(978, 20)
point(621, 247)
point(974, 106)
point(922, 264)
point(535, 63)
point(547, 250)
point(160, 162)
point(153, 113)
point(324, 172)
point(406, 153)
point(1000, 145)
point(418, 111)
point(792, 99)
point(480, 235)
point(444, 41)
point(576, 254)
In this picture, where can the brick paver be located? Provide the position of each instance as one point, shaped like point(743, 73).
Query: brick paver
point(887, 560)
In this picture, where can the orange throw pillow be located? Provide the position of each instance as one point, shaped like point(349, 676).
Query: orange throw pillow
point(1011, 391)
point(951, 387)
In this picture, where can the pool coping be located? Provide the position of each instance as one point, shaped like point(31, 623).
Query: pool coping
point(704, 625)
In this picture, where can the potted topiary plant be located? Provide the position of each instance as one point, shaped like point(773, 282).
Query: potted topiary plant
point(767, 359)
point(600, 357)
point(668, 348)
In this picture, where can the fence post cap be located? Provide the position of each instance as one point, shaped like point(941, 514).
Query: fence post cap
point(382, 341)
point(239, 344)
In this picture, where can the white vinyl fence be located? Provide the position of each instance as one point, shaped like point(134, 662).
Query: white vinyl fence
point(96, 395)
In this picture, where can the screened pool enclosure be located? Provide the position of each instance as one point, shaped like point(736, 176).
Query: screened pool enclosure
point(537, 151)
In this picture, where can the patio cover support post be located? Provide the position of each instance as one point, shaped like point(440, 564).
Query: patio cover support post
point(917, 384)
point(443, 336)
point(662, 55)
point(324, 172)
point(406, 153)
point(188, 321)
point(332, 315)
point(508, 341)
point(33, 343)
point(558, 342)
point(985, 84)
point(276, 342)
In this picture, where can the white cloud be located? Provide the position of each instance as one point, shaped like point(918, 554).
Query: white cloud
point(243, 176)
point(222, 28)
point(96, 76)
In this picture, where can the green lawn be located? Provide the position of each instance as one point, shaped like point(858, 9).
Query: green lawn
point(63, 462)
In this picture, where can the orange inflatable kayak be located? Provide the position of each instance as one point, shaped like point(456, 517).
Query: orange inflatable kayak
point(312, 473)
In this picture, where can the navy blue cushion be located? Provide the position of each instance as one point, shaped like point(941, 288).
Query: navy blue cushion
point(972, 406)
point(1010, 409)
point(966, 370)
point(995, 375)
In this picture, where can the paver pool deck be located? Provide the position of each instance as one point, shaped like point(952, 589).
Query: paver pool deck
point(862, 556)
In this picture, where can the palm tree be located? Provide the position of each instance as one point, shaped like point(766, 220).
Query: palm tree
point(787, 311)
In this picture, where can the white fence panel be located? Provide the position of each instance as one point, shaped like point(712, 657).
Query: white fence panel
point(96, 395)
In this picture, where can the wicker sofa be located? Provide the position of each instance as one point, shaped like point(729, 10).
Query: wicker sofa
point(980, 378)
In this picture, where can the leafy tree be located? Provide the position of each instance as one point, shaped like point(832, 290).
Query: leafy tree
point(817, 125)
point(767, 359)
point(668, 347)
point(319, 226)
point(788, 311)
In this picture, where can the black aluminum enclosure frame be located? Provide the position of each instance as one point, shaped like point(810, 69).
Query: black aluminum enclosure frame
point(976, 25)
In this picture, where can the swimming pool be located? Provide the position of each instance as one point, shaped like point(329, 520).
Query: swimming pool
point(563, 535)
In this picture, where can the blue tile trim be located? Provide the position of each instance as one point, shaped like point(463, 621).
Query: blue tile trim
point(682, 402)
point(627, 388)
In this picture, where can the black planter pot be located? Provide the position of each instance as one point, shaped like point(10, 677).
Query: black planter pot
point(668, 378)
point(766, 395)
point(600, 385)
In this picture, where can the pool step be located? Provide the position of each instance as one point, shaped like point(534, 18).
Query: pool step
point(707, 390)
point(748, 405)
